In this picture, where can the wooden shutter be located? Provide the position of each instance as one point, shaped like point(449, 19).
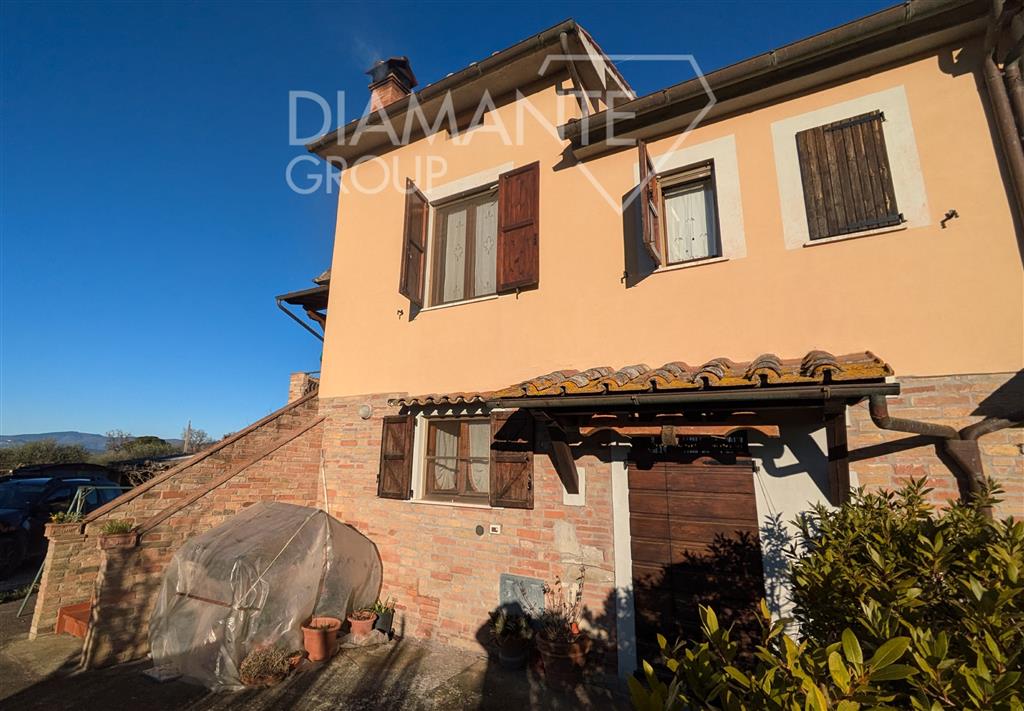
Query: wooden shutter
point(846, 177)
point(518, 228)
point(650, 201)
point(414, 247)
point(512, 459)
point(394, 481)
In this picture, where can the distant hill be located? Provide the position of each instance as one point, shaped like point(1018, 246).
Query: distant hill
point(92, 442)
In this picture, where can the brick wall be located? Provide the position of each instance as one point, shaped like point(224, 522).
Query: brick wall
point(883, 459)
point(77, 571)
point(444, 576)
point(130, 576)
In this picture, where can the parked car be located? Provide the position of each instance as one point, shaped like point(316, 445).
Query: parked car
point(29, 498)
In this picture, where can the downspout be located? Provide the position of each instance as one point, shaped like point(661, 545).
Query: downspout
point(1012, 69)
point(1009, 131)
point(961, 445)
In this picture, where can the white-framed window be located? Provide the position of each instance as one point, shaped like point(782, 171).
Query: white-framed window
point(463, 244)
point(462, 455)
point(690, 215)
point(457, 460)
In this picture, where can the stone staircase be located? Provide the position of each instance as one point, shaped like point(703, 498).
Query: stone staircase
point(116, 578)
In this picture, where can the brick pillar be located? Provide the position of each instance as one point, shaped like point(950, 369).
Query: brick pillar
point(69, 574)
point(298, 385)
point(124, 597)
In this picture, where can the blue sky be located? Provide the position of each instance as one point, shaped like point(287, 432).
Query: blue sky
point(145, 221)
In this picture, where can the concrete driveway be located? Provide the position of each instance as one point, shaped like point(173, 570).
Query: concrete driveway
point(405, 674)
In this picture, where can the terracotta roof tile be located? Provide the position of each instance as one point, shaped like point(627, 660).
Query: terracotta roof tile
point(767, 370)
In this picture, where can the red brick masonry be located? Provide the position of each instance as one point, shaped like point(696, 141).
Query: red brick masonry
point(442, 573)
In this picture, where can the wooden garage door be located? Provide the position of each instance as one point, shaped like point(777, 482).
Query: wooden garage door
point(694, 541)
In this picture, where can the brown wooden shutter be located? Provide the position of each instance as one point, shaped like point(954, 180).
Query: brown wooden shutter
point(650, 201)
point(846, 177)
point(394, 481)
point(518, 228)
point(512, 459)
point(414, 248)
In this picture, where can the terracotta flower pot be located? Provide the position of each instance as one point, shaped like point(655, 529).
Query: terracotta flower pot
point(320, 637)
point(361, 628)
point(564, 661)
point(108, 541)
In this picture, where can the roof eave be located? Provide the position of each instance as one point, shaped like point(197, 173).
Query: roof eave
point(328, 146)
point(792, 394)
point(886, 28)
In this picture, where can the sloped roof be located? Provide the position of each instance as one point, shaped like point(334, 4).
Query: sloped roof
point(766, 371)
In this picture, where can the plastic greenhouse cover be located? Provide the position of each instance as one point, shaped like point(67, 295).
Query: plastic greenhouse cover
point(252, 582)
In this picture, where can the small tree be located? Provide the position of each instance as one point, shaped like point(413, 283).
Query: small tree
point(195, 440)
point(43, 451)
point(117, 439)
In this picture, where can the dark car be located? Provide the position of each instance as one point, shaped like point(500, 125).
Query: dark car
point(27, 502)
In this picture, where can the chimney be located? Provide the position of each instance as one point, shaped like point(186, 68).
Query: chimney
point(390, 80)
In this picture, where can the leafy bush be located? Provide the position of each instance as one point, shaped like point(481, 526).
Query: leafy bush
point(900, 605)
point(115, 526)
point(43, 451)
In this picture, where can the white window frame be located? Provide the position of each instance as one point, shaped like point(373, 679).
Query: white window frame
point(900, 145)
point(419, 451)
point(721, 153)
point(477, 182)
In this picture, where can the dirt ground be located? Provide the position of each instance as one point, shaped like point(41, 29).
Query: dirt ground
point(406, 674)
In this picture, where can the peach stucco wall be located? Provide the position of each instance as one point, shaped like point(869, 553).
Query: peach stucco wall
point(930, 301)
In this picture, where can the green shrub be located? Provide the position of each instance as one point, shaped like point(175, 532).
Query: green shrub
point(114, 526)
point(899, 605)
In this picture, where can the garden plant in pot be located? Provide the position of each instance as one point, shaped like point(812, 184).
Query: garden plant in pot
point(385, 612)
point(563, 646)
point(361, 621)
point(320, 637)
point(512, 633)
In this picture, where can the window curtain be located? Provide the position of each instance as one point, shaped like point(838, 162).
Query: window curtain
point(455, 256)
point(485, 259)
point(480, 452)
point(446, 452)
point(690, 223)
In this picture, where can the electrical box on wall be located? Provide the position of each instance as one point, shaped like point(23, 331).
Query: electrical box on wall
point(496, 528)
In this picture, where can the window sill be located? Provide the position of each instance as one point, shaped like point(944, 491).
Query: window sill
point(690, 265)
point(438, 307)
point(857, 235)
point(456, 504)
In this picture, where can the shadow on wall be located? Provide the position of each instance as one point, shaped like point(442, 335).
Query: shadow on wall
point(119, 621)
point(1005, 400)
point(726, 575)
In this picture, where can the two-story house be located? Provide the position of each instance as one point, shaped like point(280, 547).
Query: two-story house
point(616, 331)
point(565, 325)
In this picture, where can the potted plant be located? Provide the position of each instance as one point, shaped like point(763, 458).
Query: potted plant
point(385, 615)
point(117, 533)
point(320, 636)
point(511, 633)
point(266, 666)
point(562, 644)
point(361, 621)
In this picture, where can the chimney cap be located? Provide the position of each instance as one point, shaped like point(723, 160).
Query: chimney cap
point(398, 66)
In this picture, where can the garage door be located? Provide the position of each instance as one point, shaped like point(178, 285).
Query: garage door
point(694, 541)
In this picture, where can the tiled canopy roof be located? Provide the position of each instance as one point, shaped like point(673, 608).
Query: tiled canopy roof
point(815, 368)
